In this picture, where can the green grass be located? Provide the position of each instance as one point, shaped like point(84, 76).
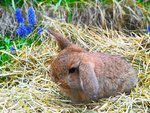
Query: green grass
point(18, 43)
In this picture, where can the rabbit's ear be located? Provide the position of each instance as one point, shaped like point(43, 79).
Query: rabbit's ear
point(63, 42)
point(88, 80)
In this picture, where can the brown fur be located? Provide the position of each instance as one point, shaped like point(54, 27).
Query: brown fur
point(86, 76)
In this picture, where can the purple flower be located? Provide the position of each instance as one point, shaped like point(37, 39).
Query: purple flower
point(18, 15)
point(148, 28)
point(31, 16)
point(39, 30)
point(12, 49)
point(22, 30)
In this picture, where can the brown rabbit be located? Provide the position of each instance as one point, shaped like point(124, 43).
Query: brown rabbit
point(85, 76)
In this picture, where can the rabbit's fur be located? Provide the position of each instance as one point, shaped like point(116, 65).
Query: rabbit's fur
point(85, 76)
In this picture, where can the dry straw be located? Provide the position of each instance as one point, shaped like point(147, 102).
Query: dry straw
point(29, 89)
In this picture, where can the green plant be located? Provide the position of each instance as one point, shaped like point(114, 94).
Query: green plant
point(12, 3)
point(145, 4)
point(18, 43)
point(68, 5)
point(5, 44)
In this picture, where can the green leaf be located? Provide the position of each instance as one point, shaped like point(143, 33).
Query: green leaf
point(13, 4)
point(20, 43)
point(7, 41)
point(4, 58)
point(2, 47)
point(67, 6)
point(58, 4)
point(70, 14)
point(149, 9)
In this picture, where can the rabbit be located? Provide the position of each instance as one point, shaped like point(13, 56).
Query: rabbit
point(88, 76)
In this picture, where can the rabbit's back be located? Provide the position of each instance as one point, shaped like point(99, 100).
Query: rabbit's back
point(114, 74)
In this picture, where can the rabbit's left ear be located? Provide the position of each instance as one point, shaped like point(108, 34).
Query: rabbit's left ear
point(88, 80)
point(63, 42)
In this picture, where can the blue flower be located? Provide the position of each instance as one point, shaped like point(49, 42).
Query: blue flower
point(22, 30)
point(18, 15)
point(12, 49)
point(39, 30)
point(148, 28)
point(31, 16)
point(28, 28)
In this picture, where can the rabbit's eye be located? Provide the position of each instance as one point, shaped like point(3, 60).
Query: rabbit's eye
point(72, 70)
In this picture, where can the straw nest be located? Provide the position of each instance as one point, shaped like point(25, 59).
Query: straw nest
point(27, 87)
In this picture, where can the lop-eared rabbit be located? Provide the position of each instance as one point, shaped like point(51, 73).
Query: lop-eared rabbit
point(84, 76)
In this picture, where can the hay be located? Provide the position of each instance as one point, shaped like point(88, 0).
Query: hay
point(8, 24)
point(124, 15)
point(28, 88)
